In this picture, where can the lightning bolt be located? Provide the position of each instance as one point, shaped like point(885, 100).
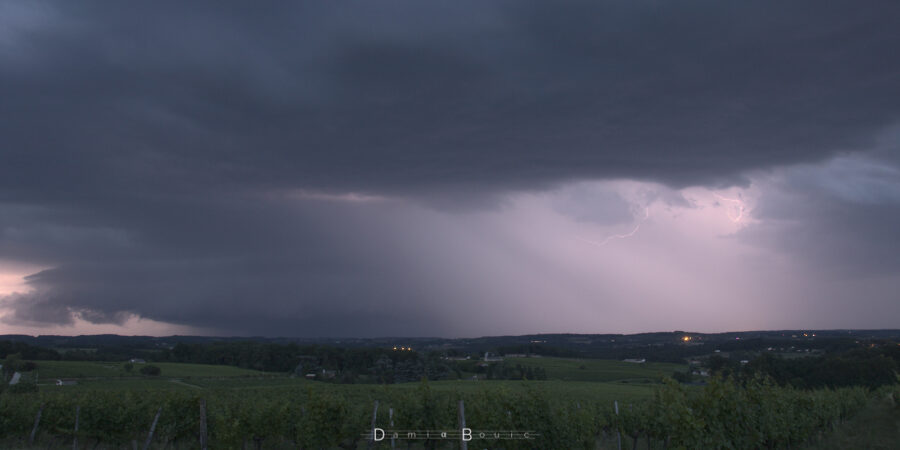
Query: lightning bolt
point(740, 204)
point(619, 236)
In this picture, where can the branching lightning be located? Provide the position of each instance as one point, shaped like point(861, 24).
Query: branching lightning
point(736, 201)
point(619, 236)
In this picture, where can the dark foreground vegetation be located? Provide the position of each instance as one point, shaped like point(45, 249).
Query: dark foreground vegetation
point(761, 393)
point(722, 414)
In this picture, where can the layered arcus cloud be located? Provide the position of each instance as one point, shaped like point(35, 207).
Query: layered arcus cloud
point(408, 168)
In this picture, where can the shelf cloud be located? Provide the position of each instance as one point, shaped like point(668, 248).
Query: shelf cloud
point(410, 168)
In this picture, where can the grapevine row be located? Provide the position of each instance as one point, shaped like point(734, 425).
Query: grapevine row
point(723, 414)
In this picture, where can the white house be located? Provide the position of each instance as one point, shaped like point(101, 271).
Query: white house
point(66, 382)
point(636, 361)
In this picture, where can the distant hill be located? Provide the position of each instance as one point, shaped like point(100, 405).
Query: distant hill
point(658, 346)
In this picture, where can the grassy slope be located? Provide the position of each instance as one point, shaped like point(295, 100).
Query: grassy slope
point(87, 369)
point(601, 380)
point(557, 369)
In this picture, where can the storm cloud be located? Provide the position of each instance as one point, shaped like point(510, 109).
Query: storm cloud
point(413, 168)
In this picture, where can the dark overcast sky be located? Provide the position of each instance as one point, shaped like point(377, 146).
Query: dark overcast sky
point(448, 168)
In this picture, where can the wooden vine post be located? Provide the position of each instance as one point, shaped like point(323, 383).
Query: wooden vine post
point(391, 419)
point(203, 436)
point(152, 429)
point(37, 421)
point(618, 433)
point(75, 437)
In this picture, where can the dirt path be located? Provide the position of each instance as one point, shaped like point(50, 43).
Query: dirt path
point(186, 384)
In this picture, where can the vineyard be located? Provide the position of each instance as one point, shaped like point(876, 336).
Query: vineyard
point(721, 414)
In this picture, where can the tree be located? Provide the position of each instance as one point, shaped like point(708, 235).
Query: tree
point(720, 365)
point(128, 367)
point(151, 370)
point(384, 369)
point(681, 377)
point(15, 363)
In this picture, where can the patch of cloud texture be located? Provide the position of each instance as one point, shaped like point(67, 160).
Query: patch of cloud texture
point(283, 265)
point(383, 97)
point(841, 216)
point(414, 168)
point(604, 207)
point(242, 265)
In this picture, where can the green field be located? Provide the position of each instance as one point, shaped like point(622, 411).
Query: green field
point(48, 370)
point(563, 369)
point(569, 391)
point(117, 384)
point(599, 369)
point(599, 381)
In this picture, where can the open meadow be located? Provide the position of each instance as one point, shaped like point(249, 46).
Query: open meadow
point(603, 381)
point(107, 370)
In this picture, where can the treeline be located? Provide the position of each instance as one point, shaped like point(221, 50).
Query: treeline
point(505, 371)
point(501, 370)
point(268, 357)
point(106, 353)
point(345, 365)
point(338, 364)
point(536, 349)
point(869, 367)
point(25, 351)
point(678, 352)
